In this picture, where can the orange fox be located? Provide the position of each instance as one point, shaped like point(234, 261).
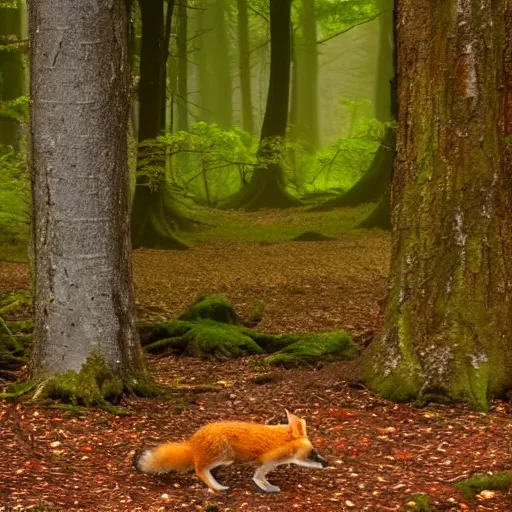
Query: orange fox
point(221, 444)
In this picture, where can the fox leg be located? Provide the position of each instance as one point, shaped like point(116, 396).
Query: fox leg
point(260, 479)
point(204, 473)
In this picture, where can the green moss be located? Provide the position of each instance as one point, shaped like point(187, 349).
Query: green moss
point(12, 351)
point(18, 389)
point(204, 339)
point(211, 307)
point(95, 385)
point(500, 481)
point(421, 503)
point(312, 348)
point(15, 301)
point(21, 326)
point(150, 333)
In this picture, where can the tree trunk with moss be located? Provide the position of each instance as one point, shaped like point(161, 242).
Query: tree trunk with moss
point(267, 188)
point(448, 319)
point(85, 332)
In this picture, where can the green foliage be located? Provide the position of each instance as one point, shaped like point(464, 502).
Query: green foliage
point(14, 196)
point(16, 109)
point(338, 17)
point(342, 163)
point(500, 481)
point(209, 162)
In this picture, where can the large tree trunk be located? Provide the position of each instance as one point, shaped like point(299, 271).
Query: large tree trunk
point(12, 74)
point(245, 67)
point(267, 186)
point(448, 319)
point(84, 307)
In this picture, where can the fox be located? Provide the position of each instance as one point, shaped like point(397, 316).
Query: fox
point(223, 443)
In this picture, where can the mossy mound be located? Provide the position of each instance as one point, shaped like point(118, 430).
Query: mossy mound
point(312, 236)
point(211, 307)
point(210, 328)
point(311, 348)
point(204, 339)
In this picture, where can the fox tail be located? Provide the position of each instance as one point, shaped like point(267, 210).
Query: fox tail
point(163, 458)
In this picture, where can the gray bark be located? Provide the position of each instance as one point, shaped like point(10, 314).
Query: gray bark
point(79, 87)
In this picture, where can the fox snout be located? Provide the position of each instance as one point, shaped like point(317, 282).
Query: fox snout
point(314, 456)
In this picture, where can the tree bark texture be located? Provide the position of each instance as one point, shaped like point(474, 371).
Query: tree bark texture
point(448, 318)
point(83, 280)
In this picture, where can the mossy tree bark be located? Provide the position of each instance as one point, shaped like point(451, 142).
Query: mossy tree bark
point(84, 307)
point(266, 188)
point(12, 74)
point(448, 318)
point(155, 215)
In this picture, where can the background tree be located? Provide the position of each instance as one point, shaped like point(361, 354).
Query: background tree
point(155, 217)
point(373, 185)
point(448, 318)
point(84, 307)
point(267, 185)
point(244, 67)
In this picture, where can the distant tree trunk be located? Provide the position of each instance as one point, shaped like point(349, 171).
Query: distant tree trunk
point(222, 67)
point(154, 214)
point(166, 41)
point(448, 320)
point(245, 67)
point(84, 307)
point(267, 186)
point(374, 183)
point(151, 55)
point(307, 78)
point(12, 75)
point(182, 67)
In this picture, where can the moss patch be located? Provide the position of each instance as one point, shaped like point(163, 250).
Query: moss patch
point(202, 339)
point(312, 236)
point(419, 503)
point(16, 303)
point(500, 481)
point(212, 307)
point(12, 351)
point(312, 348)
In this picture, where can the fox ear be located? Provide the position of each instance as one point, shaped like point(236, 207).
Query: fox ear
point(296, 425)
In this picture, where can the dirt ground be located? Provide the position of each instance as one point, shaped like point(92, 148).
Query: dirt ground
point(381, 453)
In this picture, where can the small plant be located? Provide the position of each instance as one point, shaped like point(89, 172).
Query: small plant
point(419, 503)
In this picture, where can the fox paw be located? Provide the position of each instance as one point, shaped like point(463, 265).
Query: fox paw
point(265, 486)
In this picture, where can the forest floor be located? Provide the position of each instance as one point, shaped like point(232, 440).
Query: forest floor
point(381, 453)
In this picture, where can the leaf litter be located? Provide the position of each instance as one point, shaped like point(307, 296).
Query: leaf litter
point(381, 453)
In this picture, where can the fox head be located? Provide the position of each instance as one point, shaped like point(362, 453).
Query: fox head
point(303, 452)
